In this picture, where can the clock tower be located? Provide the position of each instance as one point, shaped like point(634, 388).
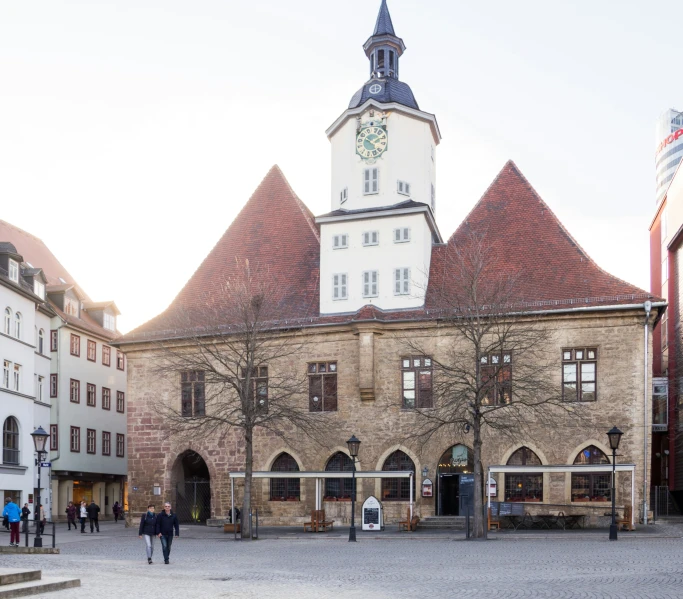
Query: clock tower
point(376, 242)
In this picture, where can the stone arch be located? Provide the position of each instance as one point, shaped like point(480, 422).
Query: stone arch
point(383, 458)
point(191, 480)
point(508, 454)
point(276, 454)
point(579, 448)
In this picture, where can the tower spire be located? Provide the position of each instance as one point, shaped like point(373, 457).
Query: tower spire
point(384, 26)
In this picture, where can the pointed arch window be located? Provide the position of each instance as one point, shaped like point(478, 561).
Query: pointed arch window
point(338, 488)
point(523, 486)
point(592, 486)
point(10, 441)
point(285, 489)
point(397, 489)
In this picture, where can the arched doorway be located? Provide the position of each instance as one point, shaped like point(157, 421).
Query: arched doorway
point(455, 480)
point(192, 483)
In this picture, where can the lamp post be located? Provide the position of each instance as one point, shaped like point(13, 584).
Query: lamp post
point(614, 438)
point(39, 440)
point(353, 444)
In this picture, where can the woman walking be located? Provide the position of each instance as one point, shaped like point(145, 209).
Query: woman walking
point(71, 515)
point(148, 525)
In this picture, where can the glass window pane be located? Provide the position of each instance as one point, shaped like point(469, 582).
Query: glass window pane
point(409, 380)
point(579, 354)
point(590, 354)
point(569, 373)
point(406, 363)
point(588, 372)
point(567, 355)
point(588, 391)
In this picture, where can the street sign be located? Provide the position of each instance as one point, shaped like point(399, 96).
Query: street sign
point(45, 464)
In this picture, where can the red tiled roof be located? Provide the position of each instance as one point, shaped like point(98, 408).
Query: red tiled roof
point(276, 230)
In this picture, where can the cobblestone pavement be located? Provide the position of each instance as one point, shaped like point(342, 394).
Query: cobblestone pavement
point(206, 563)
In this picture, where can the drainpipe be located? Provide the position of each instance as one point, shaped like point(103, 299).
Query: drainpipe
point(648, 307)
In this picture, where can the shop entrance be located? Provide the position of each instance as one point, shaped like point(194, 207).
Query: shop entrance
point(455, 462)
point(83, 491)
point(192, 481)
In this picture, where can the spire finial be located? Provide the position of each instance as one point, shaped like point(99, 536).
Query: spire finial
point(384, 26)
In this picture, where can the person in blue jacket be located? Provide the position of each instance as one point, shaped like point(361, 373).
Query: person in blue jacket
point(13, 514)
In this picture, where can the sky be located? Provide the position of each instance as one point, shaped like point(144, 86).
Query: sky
point(132, 132)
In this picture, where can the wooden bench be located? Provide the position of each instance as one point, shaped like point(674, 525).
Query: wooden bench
point(318, 522)
point(625, 523)
point(493, 521)
point(409, 524)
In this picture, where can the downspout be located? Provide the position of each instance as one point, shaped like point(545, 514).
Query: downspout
point(648, 307)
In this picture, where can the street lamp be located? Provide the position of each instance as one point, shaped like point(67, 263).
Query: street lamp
point(353, 444)
point(39, 440)
point(614, 438)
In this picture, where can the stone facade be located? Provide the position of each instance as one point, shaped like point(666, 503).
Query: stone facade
point(369, 406)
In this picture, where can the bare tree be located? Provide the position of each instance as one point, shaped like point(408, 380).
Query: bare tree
point(236, 374)
point(493, 371)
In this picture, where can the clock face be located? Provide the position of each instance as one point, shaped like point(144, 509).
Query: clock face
point(371, 142)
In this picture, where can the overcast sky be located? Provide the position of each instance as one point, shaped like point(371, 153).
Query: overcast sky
point(132, 132)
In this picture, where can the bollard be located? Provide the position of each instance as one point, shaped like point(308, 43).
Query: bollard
point(468, 522)
point(251, 530)
point(256, 537)
point(53, 535)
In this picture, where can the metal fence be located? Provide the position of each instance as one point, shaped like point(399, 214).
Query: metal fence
point(663, 503)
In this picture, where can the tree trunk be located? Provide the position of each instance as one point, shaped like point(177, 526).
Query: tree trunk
point(478, 531)
point(248, 469)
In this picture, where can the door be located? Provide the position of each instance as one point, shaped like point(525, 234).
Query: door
point(449, 494)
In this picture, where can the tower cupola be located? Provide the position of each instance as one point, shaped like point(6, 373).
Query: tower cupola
point(384, 48)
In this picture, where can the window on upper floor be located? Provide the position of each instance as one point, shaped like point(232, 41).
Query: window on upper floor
point(54, 437)
point(339, 286)
point(402, 281)
point(75, 443)
point(106, 398)
point(53, 385)
point(41, 341)
point(416, 378)
point(120, 445)
point(579, 374)
point(92, 350)
point(106, 355)
point(370, 283)
point(14, 270)
point(40, 384)
point(18, 325)
point(91, 443)
point(71, 306)
point(39, 289)
point(370, 181)
point(91, 395)
point(120, 361)
point(54, 338)
point(259, 386)
point(16, 380)
point(496, 378)
point(322, 387)
point(340, 242)
point(432, 153)
point(10, 441)
point(109, 321)
point(192, 393)
point(402, 235)
point(106, 443)
point(371, 238)
point(120, 402)
point(8, 321)
point(75, 391)
point(343, 195)
point(6, 369)
point(75, 345)
point(403, 188)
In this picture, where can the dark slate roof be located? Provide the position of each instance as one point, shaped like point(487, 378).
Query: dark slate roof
point(384, 26)
point(7, 248)
point(406, 204)
point(392, 90)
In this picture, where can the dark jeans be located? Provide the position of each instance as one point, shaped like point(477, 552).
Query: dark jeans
point(96, 523)
point(82, 524)
point(71, 521)
point(116, 516)
point(24, 525)
point(166, 542)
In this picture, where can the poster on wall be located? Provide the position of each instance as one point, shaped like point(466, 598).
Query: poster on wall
point(427, 488)
point(459, 456)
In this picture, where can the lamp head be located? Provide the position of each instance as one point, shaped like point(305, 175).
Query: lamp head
point(614, 436)
point(353, 444)
point(39, 439)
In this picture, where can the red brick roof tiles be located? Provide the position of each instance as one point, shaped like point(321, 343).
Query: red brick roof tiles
point(276, 230)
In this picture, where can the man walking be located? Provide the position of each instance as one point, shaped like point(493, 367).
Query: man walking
point(83, 515)
point(94, 515)
point(13, 515)
point(25, 513)
point(167, 523)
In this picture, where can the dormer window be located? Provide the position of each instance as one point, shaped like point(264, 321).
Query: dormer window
point(343, 195)
point(340, 242)
point(70, 306)
point(109, 321)
point(371, 238)
point(39, 289)
point(14, 270)
point(404, 188)
point(402, 235)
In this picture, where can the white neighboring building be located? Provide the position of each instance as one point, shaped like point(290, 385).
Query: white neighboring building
point(669, 152)
point(376, 244)
point(25, 363)
point(84, 386)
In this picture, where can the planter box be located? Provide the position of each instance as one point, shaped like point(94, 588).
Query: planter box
point(231, 527)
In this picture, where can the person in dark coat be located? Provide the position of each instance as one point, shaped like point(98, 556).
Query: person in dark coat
point(93, 515)
point(25, 513)
point(117, 511)
point(71, 515)
point(167, 523)
point(148, 530)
